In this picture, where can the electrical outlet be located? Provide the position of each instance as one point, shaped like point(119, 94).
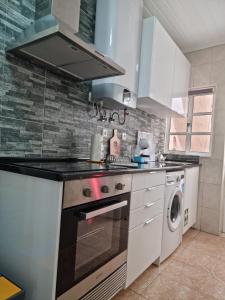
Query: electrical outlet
point(104, 132)
point(124, 136)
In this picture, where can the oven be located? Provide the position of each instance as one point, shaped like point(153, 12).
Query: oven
point(93, 238)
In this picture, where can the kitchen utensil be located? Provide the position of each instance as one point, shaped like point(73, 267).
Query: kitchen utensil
point(115, 144)
point(110, 158)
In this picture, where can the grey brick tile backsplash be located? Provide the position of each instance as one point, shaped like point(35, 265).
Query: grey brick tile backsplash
point(44, 114)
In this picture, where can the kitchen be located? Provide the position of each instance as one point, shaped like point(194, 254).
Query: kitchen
point(136, 226)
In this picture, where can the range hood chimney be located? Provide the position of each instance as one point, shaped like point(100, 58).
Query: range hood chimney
point(52, 43)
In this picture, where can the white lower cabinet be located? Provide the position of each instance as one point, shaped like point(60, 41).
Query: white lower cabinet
point(191, 181)
point(146, 222)
point(144, 247)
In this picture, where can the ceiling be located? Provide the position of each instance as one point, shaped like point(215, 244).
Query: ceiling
point(193, 24)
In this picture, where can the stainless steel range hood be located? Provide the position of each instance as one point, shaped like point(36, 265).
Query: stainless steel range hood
point(52, 43)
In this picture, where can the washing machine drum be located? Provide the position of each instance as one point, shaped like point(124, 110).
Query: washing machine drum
point(174, 211)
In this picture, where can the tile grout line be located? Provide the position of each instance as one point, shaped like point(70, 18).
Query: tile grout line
point(43, 119)
point(138, 294)
point(3, 71)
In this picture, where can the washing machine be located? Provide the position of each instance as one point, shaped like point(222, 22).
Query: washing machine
point(172, 219)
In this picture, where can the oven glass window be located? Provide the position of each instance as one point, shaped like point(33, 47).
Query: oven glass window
point(99, 239)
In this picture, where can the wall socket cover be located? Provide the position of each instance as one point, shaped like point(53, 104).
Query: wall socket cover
point(124, 136)
point(104, 132)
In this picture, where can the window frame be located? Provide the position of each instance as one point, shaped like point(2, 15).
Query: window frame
point(191, 94)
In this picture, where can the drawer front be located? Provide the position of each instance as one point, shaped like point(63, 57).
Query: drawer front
point(147, 195)
point(148, 211)
point(144, 247)
point(146, 180)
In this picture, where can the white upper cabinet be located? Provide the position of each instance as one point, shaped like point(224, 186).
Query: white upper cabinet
point(180, 83)
point(157, 62)
point(164, 71)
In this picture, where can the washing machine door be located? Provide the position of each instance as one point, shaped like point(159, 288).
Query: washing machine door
point(174, 211)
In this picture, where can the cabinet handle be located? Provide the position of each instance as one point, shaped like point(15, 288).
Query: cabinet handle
point(149, 221)
point(149, 204)
point(152, 172)
point(170, 182)
point(151, 189)
point(101, 211)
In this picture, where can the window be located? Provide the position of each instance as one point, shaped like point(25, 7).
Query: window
point(192, 134)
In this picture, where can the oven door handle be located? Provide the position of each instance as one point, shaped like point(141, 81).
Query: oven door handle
point(101, 211)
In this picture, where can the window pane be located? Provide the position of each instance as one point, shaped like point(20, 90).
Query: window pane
point(177, 142)
point(178, 125)
point(202, 123)
point(203, 103)
point(200, 143)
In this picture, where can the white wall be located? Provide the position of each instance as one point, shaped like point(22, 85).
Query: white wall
point(208, 68)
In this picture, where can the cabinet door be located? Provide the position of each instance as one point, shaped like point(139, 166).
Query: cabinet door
point(180, 83)
point(162, 70)
point(190, 197)
point(144, 247)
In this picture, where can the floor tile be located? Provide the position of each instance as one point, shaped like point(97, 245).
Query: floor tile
point(197, 278)
point(164, 288)
point(195, 271)
point(218, 270)
point(196, 257)
point(164, 265)
point(210, 239)
point(128, 295)
point(192, 276)
point(212, 264)
point(145, 279)
point(210, 245)
point(189, 236)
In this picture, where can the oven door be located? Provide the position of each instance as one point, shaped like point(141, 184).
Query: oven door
point(91, 235)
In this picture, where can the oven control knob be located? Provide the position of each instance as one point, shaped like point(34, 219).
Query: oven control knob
point(87, 192)
point(120, 186)
point(105, 189)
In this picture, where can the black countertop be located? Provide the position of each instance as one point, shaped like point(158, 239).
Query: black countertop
point(69, 169)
